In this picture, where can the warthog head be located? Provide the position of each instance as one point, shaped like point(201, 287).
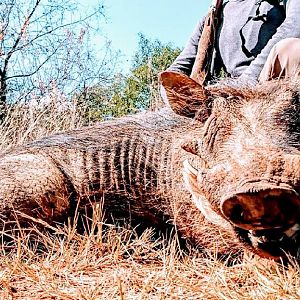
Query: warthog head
point(249, 179)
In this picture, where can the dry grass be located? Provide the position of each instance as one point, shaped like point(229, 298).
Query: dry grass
point(115, 263)
point(111, 262)
point(26, 122)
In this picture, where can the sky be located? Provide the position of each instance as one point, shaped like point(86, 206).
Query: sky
point(167, 20)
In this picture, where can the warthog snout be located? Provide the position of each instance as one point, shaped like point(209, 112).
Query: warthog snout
point(266, 209)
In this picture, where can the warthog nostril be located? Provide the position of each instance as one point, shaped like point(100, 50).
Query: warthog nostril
point(271, 208)
point(237, 213)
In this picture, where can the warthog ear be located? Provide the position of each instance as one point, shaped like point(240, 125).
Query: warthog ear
point(186, 97)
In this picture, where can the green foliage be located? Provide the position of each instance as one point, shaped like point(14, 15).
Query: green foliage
point(151, 58)
point(105, 101)
point(137, 90)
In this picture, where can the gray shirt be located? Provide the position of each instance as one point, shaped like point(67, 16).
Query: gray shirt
point(248, 31)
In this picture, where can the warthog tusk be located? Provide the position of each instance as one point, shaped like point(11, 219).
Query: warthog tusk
point(291, 231)
point(189, 168)
point(201, 202)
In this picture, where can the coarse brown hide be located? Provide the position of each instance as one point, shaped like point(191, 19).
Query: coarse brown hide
point(132, 164)
point(250, 170)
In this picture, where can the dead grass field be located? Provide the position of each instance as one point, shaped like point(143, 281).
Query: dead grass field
point(110, 262)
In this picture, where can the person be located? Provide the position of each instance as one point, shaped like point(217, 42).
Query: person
point(256, 40)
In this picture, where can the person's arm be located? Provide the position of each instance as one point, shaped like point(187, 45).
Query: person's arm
point(289, 28)
point(185, 61)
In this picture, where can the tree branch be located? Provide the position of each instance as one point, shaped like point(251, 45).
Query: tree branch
point(37, 69)
point(17, 41)
point(51, 31)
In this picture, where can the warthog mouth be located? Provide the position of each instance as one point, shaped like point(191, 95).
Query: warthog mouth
point(273, 243)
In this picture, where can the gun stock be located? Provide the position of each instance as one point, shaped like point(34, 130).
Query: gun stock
point(200, 71)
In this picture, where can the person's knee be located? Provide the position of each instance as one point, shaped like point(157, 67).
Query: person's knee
point(283, 60)
point(287, 46)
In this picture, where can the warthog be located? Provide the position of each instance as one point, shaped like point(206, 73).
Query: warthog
point(244, 181)
point(249, 178)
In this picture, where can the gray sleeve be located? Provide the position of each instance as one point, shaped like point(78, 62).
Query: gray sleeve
point(185, 60)
point(290, 28)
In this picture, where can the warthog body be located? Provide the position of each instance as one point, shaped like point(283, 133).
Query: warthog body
point(133, 165)
point(244, 182)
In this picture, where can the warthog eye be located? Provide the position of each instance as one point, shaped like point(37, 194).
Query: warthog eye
point(290, 117)
point(296, 98)
point(294, 120)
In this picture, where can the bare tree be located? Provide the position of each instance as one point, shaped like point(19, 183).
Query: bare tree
point(46, 43)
